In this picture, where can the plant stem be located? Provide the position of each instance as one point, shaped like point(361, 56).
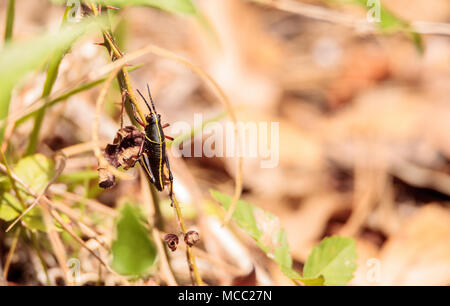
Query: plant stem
point(123, 76)
point(11, 253)
point(39, 254)
point(156, 224)
point(189, 253)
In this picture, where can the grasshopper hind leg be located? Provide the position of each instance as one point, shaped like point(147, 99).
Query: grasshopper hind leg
point(143, 162)
point(170, 181)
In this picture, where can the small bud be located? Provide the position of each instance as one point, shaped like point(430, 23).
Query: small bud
point(172, 241)
point(191, 238)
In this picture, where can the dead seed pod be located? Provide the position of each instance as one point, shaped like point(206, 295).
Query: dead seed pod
point(172, 241)
point(191, 238)
point(123, 152)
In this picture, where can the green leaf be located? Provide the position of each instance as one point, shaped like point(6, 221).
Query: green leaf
point(33, 220)
point(36, 171)
point(264, 228)
point(389, 22)
point(318, 281)
point(332, 262)
point(133, 251)
point(5, 184)
point(243, 214)
point(334, 259)
point(9, 207)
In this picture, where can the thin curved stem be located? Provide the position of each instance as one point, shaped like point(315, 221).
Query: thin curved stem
point(123, 77)
point(11, 253)
point(327, 15)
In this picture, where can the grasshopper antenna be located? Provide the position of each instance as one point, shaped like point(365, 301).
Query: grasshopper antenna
point(151, 100)
point(148, 106)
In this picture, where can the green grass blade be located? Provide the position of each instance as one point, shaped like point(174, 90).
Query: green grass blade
point(52, 74)
point(8, 36)
point(10, 20)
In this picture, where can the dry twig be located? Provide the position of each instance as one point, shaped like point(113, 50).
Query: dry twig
point(359, 24)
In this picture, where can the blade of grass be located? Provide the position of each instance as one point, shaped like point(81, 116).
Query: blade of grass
point(9, 20)
point(52, 74)
point(8, 35)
